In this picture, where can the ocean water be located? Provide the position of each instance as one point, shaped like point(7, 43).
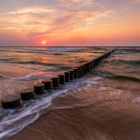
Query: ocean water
point(103, 105)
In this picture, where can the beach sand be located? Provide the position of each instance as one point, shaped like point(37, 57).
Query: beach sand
point(87, 116)
point(105, 107)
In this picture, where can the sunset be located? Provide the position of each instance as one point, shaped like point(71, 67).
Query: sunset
point(69, 69)
point(44, 42)
point(70, 22)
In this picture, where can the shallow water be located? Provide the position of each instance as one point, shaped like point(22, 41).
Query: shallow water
point(33, 63)
point(102, 105)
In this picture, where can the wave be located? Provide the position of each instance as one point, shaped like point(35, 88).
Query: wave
point(131, 50)
point(89, 113)
point(129, 62)
point(117, 77)
point(37, 62)
point(56, 51)
point(13, 121)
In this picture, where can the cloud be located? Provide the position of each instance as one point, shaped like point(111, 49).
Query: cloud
point(59, 18)
point(64, 16)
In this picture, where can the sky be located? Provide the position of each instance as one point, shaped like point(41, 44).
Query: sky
point(69, 22)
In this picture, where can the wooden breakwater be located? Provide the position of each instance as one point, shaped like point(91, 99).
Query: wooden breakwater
point(14, 101)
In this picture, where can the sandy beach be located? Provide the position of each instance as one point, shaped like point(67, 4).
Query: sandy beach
point(88, 116)
point(103, 104)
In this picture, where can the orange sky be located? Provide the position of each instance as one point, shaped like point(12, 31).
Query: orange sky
point(70, 22)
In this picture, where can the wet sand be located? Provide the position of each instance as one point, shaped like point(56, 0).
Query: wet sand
point(107, 110)
point(88, 115)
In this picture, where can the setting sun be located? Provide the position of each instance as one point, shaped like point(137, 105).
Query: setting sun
point(44, 42)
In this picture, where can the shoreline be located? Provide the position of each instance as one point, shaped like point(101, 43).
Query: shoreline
point(72, 118)
point(96, 107)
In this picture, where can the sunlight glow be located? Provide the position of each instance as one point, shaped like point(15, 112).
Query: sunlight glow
point(44, 42)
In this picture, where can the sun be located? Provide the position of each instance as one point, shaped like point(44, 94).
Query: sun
point(44, 42)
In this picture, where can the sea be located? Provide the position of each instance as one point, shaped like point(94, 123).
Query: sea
point(104, 104)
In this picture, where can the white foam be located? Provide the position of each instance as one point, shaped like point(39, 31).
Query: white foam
point(17, 120)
